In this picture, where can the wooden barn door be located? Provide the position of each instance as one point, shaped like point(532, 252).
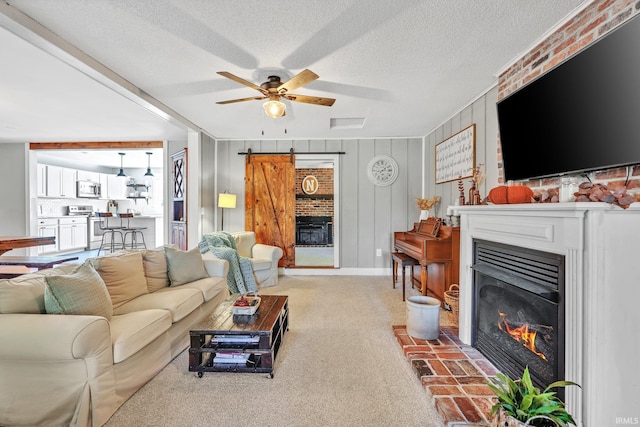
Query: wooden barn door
point(270, 202)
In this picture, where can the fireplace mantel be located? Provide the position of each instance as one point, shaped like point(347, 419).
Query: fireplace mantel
point(601, 245)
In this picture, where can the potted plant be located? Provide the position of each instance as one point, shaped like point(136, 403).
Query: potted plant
point(521, 404)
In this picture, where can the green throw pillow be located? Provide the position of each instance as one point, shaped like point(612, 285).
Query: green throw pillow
point(81, 292)
point(184, 266)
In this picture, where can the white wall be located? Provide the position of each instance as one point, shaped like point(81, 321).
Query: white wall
point(14, 191)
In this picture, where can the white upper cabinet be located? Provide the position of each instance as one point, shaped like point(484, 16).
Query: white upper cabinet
point(42, 180)
point(69, 178)
point(104, 185)
point(88, 176)
point(61, 182)
point(54, 181)
point(116, 187)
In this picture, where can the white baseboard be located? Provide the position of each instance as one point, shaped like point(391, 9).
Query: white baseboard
point(335, 271)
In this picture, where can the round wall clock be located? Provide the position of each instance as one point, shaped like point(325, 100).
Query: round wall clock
point(382, 170)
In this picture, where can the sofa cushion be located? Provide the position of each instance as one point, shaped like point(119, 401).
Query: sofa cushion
point(81, 292)
point(178, 301)
point(210, 287)
point(123, 274)
point(25, 293)
point(155, 269)
point(130, 332)
point(184, 266)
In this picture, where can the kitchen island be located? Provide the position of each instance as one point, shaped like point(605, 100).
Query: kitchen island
point(153, 232)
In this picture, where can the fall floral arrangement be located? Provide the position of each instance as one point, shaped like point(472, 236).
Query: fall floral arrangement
point(479, 175)
point(426, 204)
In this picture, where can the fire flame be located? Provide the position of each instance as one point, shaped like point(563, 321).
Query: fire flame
point(520, 334)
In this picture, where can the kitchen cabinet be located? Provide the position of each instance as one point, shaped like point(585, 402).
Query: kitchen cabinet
point(61, 182)
point(179, 234)
point(42, 180)
point(72, 233)
point(88, 176)
point(116, 187)
point(103, 179)
point(54, 181)
point(48, 227)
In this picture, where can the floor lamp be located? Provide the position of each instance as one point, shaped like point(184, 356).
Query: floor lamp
point(226, 201)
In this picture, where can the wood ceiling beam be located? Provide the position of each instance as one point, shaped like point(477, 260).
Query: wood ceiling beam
point(92, 145)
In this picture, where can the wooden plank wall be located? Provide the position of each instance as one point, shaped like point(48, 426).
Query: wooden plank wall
point(368, 214)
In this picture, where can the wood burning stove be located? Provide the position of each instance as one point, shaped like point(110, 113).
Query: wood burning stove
point(314, 231)
point(518, 310)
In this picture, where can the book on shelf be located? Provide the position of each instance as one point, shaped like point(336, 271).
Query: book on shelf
point(224, 357)
point(235, 339)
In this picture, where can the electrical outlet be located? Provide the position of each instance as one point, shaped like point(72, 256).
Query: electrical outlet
point(378, 252)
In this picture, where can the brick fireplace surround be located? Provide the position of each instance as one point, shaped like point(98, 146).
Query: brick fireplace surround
point(453, 374)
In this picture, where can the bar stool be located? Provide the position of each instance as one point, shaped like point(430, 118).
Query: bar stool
point(109, 242)
point(133, 232)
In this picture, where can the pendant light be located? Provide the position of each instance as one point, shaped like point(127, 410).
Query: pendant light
point(149, 165)
point(121, 173)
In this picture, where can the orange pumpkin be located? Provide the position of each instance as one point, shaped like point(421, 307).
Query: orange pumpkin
point(510, 194)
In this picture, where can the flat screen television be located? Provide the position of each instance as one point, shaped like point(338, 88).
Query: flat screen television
point(582, 115)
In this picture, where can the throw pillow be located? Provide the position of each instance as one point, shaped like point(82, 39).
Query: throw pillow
point(155, 269)
point(124, 276)
point(81, 292)
point(184, 266)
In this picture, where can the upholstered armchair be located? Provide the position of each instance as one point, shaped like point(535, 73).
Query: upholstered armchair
point(263, 257)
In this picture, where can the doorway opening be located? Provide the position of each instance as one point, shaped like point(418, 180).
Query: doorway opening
point(316, 219)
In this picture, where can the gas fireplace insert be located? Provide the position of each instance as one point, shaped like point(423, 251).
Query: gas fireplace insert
point(518, 310)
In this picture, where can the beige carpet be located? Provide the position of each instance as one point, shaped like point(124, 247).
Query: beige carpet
point(339, 365)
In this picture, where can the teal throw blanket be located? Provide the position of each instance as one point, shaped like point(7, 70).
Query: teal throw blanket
point(240, 279)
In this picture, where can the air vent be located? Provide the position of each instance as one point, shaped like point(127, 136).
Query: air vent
point(538, 267)
point(346, 123)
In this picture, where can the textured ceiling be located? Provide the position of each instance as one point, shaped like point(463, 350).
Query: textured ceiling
point(403, 66)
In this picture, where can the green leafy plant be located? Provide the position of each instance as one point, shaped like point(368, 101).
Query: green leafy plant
point(526, 403)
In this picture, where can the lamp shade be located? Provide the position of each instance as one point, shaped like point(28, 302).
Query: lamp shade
point(226, 200)
point(274, 108)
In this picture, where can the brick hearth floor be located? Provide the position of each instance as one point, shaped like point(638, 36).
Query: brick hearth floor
point(454, 375)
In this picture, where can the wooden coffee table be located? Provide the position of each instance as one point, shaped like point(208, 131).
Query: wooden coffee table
point(227, 342)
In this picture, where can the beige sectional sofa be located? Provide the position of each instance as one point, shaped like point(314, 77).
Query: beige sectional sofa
point(77, 369)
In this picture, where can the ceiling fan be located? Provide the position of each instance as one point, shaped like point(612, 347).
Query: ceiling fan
point(274, 90)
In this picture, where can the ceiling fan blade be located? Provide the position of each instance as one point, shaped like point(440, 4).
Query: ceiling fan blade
point(327, 102)
point(231, 101)
point(240, 80)
point(302, 78)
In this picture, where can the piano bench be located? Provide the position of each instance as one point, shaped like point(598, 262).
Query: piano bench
point(404, 260)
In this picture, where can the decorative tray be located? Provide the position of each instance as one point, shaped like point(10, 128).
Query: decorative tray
point(253, 301)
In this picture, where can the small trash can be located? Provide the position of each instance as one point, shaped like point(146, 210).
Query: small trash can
point(423, 317)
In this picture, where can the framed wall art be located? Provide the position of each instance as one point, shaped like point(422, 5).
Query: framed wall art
point(455, 156)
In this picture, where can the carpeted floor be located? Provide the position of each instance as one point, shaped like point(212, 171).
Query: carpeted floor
point(339, 365)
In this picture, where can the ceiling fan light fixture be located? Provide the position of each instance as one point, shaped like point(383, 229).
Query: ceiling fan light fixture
point(274, 108)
